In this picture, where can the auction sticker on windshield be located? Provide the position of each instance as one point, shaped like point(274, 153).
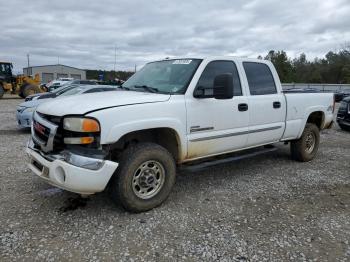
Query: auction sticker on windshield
point(182, 62)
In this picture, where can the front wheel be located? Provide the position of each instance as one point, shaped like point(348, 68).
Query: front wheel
point(305, 148)
point(144, 178)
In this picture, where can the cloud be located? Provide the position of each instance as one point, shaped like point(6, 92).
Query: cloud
point(84, 33)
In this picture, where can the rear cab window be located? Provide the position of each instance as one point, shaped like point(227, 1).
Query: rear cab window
point(260, 78)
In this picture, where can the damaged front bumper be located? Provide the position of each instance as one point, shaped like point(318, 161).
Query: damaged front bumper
point(70, 171)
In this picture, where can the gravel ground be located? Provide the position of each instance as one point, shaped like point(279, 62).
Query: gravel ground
point(266, 208)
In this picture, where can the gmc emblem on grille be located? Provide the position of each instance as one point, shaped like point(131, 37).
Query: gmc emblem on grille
point(39, 128)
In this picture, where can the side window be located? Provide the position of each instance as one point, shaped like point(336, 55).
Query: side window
point(259, 78)
point(215, 68)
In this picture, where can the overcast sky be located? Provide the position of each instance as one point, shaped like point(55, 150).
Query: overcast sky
point(84, 33)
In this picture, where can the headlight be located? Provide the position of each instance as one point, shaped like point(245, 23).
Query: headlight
point(81, 131)
point(77, 124)
point(20, 109)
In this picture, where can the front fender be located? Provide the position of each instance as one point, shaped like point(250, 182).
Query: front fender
point(119, 121)
point(122, 129)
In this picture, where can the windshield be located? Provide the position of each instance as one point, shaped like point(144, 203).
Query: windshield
point(168, 76)
point(63, 89)
point(72, 91)
point(5, 68)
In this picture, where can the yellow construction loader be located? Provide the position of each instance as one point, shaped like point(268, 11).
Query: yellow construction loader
point(21, 85)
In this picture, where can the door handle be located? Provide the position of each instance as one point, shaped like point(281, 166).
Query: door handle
point(242, 107)
point(276, 104)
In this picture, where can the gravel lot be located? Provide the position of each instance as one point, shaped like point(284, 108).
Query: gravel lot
point(267, 208)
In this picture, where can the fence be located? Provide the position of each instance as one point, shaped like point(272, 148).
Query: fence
point(321, 87)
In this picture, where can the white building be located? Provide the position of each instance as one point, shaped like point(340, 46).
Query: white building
point(51, 72)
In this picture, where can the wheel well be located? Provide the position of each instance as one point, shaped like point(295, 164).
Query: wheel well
point(166, 137)
point(316, 118)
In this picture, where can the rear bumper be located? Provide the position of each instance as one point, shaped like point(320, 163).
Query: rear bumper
point(62, 174)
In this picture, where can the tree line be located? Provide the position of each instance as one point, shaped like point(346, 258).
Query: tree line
point(108, 76)
point(333, 69)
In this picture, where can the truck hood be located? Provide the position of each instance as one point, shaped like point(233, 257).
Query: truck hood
point(82, 104)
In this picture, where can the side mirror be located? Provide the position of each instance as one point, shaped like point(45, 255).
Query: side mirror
point(223, 86)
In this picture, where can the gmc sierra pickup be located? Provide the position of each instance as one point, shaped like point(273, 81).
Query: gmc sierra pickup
point(171, 112)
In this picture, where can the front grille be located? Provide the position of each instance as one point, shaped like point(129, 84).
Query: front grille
point(41, 131)
point(53, 119)
point(58, 144)
point(47, 132)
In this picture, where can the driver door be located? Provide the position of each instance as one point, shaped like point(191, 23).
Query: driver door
point(216, 126)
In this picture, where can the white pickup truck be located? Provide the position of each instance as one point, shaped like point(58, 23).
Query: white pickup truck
point(169, 113)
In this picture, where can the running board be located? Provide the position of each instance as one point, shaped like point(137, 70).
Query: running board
point(213, 162)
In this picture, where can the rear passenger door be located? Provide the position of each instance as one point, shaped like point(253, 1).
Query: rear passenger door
point(267, 107)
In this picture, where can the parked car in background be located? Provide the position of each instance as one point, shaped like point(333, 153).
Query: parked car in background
point(24, 111)
point(340, 95)
point(53, 93)
point(75, 82)
point(57, 83)
point(50, 94)
point(302, 90)
point(343, 117)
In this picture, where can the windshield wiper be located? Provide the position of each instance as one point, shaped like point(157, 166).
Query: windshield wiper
point(148, 88)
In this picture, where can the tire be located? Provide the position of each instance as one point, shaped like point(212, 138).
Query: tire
point(2, 91)
point(30, 90)
point(143, 167)
point(305, 148)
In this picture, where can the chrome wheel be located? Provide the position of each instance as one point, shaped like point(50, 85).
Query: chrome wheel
point(148, 179)
point(310, 141)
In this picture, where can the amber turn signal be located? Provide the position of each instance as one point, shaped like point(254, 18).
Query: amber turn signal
point(90, 125)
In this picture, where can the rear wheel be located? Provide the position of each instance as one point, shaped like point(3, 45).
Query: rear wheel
point(30, 90)
point(144, 178)
point(305, 148)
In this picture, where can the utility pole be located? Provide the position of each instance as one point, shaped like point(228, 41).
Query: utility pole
point(115, 61)
point(28, 65)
